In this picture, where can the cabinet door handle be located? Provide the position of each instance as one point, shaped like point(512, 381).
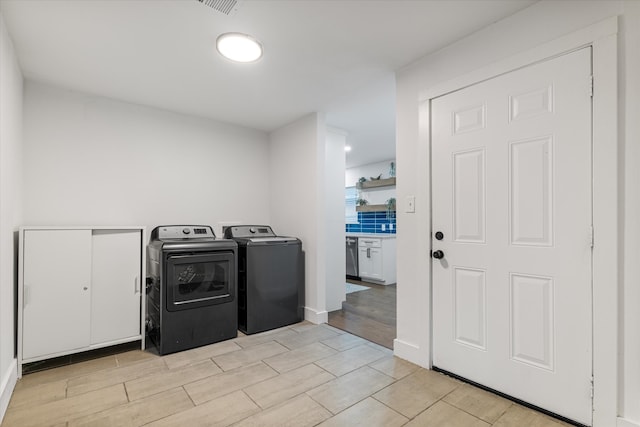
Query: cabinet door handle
point(368, 252)
point(136, 287)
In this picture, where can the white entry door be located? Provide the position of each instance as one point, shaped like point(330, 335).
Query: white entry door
point(511, 164)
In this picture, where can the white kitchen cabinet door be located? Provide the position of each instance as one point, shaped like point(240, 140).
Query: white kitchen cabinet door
point(115, 297)
point(56, 292)
point(364, 262)
point(376, 263)
point(370, 262)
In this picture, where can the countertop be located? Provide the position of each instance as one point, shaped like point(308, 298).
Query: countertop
point(372, 235)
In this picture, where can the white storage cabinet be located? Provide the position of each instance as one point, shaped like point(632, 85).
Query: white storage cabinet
point(377, 260)
point(79, 288)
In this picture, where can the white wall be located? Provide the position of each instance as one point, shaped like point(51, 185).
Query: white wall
point(90, 160)
point(630, 131)
point(540, 23)
point(307, 201)
point(296, 199)
point(11, 85)
point(335, 265)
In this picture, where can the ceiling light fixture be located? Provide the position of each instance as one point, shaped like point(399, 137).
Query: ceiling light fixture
point(347, 148)
point(239, 47)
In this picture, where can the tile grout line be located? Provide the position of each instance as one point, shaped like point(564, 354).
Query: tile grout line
point(188, 395)
point(256, 403)
point(361, 400)
point(503, 412)
point(389, 407)
point(126, 392)
point(463, 410)
point(321, 405)
point(467, 412)
point(218, 366)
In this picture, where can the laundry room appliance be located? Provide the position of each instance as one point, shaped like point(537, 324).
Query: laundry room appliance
point(270, 278)
point(191, 288)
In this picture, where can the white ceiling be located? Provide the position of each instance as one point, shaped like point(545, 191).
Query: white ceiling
point(332, 56)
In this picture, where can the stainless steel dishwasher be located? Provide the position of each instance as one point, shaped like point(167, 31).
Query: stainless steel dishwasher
point(352, 257)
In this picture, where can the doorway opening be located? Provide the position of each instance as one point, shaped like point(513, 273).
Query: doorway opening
point(369, 306)
point(369, 313)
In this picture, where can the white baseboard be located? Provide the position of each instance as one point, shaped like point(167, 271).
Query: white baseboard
point(9, 379)
point(316, 317)
point(411, 353)
point(623, 422)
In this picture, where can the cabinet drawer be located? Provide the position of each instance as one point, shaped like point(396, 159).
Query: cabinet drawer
point(369, 243)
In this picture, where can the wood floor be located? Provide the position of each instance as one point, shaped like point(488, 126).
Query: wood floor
point(369, 314)
point(302, 375)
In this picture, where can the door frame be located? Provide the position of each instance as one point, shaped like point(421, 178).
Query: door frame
point(602, 38)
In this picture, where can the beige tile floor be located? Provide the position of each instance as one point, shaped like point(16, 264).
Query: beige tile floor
point(302, 375)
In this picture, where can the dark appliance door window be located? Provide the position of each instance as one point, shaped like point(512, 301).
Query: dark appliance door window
point(197, 280)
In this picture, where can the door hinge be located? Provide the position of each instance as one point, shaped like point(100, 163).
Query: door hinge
point(591, 238)
point(591, 86)
point(591, 386)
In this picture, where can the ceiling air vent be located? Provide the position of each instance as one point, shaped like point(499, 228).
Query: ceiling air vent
point(228, 7)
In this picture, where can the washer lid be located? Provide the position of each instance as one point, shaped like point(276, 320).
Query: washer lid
point(272, 239)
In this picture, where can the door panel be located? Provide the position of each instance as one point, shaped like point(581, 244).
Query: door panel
point(531, 187)
point(57, 282)
point(470, 307)
point(469, 196)
point(531, 323)
point(511, 165)
point(115, 298)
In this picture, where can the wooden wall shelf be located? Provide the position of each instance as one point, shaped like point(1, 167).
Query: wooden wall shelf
point(374, 208)
point(387, 182)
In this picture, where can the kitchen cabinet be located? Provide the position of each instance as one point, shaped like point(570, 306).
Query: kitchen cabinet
point(370, 263)
point(377, 259)
point(79, 288)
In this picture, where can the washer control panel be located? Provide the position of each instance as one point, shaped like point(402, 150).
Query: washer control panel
point(244, 231)
point(185, 232)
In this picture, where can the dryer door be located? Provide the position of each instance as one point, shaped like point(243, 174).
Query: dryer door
point(196, 280)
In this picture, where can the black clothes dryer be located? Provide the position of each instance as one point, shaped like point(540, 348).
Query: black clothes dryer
point(191, 288)
point(270, 278)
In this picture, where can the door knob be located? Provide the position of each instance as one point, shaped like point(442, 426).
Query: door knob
point(438, 254)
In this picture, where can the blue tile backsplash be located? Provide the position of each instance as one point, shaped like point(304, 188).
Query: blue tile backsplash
point(371, 222)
